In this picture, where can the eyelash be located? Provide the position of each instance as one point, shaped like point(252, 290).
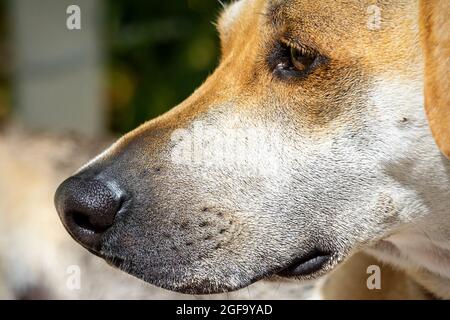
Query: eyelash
point(290, 44)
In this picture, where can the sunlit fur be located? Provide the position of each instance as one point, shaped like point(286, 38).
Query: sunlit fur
point(359, 165)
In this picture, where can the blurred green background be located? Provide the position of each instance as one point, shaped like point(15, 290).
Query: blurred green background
point(160, 51)
point(155, 54)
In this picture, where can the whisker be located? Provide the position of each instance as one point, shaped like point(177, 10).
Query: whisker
point(222, 4)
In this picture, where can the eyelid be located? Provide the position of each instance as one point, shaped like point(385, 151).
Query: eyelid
point(294, 43)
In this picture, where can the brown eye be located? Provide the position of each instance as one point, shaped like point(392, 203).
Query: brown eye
point(290, 62)
point(301, 60)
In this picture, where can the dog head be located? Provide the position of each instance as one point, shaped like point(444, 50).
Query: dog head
point(308, 142)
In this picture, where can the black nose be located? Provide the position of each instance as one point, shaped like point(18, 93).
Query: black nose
point(87, 208)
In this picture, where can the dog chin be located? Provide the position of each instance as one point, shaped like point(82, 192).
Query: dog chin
point(309, 267)
point(179, 282)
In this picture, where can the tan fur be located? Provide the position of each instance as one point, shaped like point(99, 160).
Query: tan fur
point(435, 26)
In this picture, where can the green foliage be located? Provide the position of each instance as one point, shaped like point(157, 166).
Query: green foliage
point(159, 51)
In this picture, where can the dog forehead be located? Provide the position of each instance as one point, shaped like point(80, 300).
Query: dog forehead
point(332, 9)
point(381, 35)
point(326, 22)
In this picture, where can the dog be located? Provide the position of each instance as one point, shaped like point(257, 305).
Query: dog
point(321, 135)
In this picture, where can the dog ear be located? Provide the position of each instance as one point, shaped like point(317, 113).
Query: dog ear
point(435, 37)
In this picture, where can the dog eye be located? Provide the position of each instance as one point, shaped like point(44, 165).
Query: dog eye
point(289, 61)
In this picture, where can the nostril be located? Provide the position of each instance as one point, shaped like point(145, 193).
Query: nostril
point(83, 221)
point(88, 208)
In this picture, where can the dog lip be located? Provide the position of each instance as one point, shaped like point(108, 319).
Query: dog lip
point(306, 265)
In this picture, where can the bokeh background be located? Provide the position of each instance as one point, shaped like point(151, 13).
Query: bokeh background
point(147, 56)
point(67, 94)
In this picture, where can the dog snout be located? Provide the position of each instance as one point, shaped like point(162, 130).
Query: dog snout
point(87, 208)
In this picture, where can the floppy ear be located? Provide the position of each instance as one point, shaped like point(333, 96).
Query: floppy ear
point(435, 37)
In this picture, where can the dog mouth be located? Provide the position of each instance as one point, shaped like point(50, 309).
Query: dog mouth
point(307, 265)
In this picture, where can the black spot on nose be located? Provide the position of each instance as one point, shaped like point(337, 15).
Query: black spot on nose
point(87, 208)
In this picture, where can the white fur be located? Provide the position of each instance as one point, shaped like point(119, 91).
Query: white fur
point(231, 14)
point(423, 186)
